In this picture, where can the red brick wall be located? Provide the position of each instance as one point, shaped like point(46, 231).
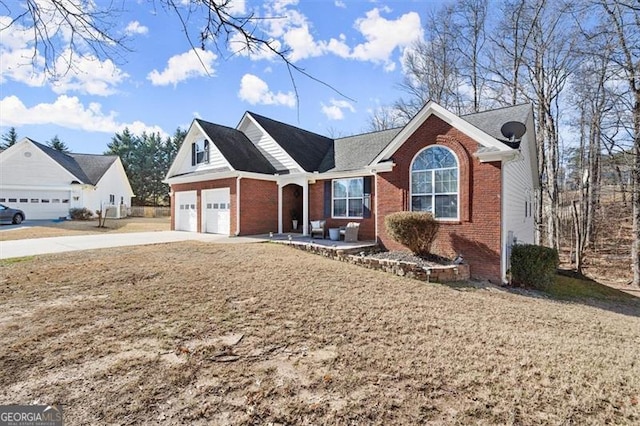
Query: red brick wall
point(316, 212)
point(199, 186)
point(259, 206)
point(477, 235)
point(259, 203)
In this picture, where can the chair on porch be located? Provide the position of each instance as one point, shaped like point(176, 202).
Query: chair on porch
point(318, 227)
point(350, 232)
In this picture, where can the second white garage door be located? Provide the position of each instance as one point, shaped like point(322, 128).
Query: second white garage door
point(38, 204)
point(185, 211)
point(216, 204)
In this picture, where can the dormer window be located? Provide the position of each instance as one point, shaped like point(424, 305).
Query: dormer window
point(200, 152)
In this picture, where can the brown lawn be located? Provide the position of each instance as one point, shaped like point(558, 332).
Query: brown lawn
point(191, 333)
point(79, 227)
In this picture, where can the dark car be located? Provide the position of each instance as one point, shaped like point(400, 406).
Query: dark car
point(9, 215)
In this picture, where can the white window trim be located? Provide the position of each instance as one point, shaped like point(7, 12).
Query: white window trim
point(333, 216)
point(439, 219)
point(206, 151)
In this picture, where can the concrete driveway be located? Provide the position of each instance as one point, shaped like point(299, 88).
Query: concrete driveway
point(31, 247)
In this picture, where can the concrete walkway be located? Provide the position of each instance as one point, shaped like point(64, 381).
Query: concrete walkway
point(31, 247)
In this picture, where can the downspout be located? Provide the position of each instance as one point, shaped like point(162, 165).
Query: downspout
point(503, 224)
point(279, 208)
point(238, 205)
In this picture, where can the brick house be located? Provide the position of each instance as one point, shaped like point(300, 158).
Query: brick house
point(479, 183)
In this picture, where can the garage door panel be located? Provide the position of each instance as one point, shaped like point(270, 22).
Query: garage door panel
point(216, 211)
point(185, 211)
point(38, 204)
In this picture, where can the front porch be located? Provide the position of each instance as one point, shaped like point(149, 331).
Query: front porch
point(308, 243)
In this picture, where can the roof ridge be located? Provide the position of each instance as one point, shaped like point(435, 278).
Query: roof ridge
point(216, 124)
point(289, 125)
point(368, 133)
point(496, 109)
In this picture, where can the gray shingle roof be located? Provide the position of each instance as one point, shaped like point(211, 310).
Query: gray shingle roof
point(94, 166)
point(491, 121)
point(318, 153)
point(239, 151)
point(307, 148)
point(87, 168)
point(356, 152)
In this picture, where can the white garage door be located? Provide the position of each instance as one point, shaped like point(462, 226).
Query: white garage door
point(185, 211)
point(38, 204)
point(215, 211)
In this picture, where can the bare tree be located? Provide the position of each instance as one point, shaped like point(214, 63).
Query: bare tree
point(622, 19)
point(384, 118)
point(431, 68)
point(470, 17)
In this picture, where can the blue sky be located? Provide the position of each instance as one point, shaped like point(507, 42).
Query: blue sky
point(354, 46)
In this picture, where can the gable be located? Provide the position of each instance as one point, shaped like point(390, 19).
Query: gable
point(236, 148)
point(182, 164)
point(115, 181)
point(485, 140)
point(26, 164)
point(274, 153)
point(306, 149)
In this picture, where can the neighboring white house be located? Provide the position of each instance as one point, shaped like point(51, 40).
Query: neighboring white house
point(46, 183)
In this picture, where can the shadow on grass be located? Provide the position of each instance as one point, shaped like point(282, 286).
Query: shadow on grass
point(569, 286)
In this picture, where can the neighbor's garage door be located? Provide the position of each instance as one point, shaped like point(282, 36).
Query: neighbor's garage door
point(185, 211)
point(215, 211)
point(38, 204)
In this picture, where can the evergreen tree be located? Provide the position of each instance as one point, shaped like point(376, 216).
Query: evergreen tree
point(10, 138)
point(58, 145)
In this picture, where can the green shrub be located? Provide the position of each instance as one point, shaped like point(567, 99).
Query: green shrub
point(414, 230)
point(81, 214)
point(533, 266)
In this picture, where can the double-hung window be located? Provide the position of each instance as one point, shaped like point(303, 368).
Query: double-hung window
point(200, 152)
point(434, 182)
point(348, 198)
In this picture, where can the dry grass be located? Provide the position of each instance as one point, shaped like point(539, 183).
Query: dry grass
point(79, 227)
point(191, 333)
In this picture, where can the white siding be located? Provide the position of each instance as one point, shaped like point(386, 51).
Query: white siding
point(518, 194)
point(273, 152)
point(113, 182)
point(182, 163)
point(27, 165)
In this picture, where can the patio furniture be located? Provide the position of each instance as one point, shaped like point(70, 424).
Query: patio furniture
point(350, 232)
point(318, 227)
point(334, 234)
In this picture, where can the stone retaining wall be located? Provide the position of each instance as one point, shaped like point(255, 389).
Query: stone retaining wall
point(357, 256)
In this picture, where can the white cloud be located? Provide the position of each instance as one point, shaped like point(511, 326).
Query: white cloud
point(301, 44)
point(85, 74)
point(69, 112)
point(340, 3)
point(135, 27)
point(383, 36)
point(89, 76)
point(335, 109)
point(184, 66)
point(256, 92)
point(238, 46)
point(237, 7)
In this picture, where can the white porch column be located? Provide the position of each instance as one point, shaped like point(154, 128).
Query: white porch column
point(305, 207)
point(279, 208)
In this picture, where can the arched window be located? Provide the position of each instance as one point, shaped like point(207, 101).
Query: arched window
point(434, 182)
